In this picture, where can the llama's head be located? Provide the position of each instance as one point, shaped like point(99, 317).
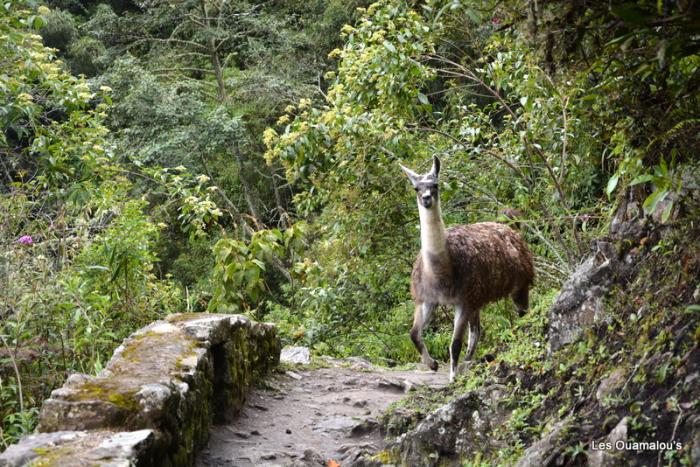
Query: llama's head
point(426, 185)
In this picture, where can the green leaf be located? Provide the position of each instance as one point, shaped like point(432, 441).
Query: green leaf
point(389, 46)
point(473, 15)
point(654, 199)
point(612, 184)
point(423, 99)
point(230, 271)
point(251, 277)
point(641, 179)
point(667, 212)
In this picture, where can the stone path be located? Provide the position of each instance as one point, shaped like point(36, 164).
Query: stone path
point(308, 417)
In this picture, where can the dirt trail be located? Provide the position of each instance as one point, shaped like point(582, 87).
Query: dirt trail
point(306, 417)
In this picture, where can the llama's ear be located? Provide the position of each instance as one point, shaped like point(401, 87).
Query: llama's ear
point(412, 176)
point(435, 169)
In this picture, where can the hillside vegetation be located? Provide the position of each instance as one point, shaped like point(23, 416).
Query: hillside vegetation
point(240, 156)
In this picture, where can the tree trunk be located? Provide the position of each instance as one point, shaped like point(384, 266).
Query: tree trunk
point(214, 55)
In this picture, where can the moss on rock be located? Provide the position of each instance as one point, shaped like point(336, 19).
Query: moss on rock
point(173, 377)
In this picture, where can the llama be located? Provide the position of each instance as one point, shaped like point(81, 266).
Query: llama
point(466, 266)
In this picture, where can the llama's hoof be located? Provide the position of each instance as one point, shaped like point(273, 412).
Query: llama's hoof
point(488, 358)
point(433, 365)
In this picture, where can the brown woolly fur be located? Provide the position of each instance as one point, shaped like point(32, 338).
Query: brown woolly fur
point(485, 262)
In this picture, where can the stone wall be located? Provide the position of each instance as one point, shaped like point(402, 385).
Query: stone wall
point(154, 402)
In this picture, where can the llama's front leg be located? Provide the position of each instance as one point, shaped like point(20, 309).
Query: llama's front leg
point(474, 334)
point(460, 327)
point(421, 318)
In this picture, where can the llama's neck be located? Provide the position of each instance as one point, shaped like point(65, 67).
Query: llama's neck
point(433, 238)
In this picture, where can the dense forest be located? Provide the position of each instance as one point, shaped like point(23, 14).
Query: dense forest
point(243, 157)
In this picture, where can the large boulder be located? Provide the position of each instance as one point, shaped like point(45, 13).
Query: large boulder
point(170, 379)
point(580, 302)
point(447, 435)
point(543, 452)
point(82, 448)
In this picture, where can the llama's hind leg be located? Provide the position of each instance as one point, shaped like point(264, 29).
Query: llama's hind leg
point(474, 334)
point(421, 318)
point(521, 298)
point(460, 327)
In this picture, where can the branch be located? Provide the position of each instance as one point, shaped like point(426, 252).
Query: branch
point(11, 354)
point(184, 68)
point(170, 40)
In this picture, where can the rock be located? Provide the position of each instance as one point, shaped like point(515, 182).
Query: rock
point(541, 452)
point(494, 394)
point(359, 363)
point(366, 426)
point(310, 459)
point(293, 375)
point(335, 423)
point(580, 301)
point(619, 433)
point(152, 397)
point(81, 448)
point(391, 385)
point(269, 456)
point(159, 393)
point(453, 431)
point(357, 455)
point(695, 450)
point(628, 217)
point(296, 355)
point(609, 457)
point(611, 384)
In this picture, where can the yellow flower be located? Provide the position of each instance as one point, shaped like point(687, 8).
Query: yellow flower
point(269, 136)
point(180, 168)
point(304, 103)
point(289, 109)
point(377, 36)
point(24, 97)
point(283, 119)
point(43, 10)
point(347, 29)
point(202, 179)
point(105, 89)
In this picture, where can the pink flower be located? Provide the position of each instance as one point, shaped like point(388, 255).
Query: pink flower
point(495, 21)
point(26, 240)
